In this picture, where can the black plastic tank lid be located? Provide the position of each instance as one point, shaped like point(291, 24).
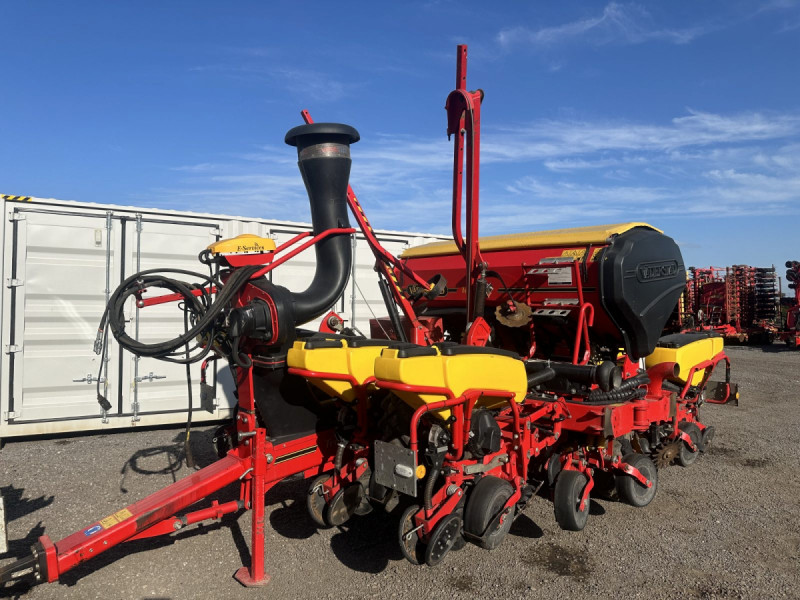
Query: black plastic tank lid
point(322, 129)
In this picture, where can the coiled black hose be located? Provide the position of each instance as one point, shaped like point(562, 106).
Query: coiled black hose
point(628, 390)
point(203, 310)
point(430, 484)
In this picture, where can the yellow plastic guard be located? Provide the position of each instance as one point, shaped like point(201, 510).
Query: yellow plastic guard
point(359, 363)
point(577, 236)
point(457, 373)
point(247, 243)
point(687, 356)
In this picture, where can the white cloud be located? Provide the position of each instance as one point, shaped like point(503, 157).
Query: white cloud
point(541, 173)
point(617, 24)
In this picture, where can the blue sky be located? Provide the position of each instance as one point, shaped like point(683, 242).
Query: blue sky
point(683, 114)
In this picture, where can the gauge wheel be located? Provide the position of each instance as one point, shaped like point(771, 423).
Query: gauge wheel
point(632, 491)
point(484, 504)
point(567, 500)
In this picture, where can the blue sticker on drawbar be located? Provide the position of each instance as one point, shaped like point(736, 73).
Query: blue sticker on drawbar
point(92, 530)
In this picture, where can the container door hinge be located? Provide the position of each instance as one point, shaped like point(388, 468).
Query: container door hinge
point(12, 348)
point(11, 415)
point(12, 283)
point(16, 216)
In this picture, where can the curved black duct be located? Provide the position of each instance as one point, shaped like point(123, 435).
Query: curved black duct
point(323, 153)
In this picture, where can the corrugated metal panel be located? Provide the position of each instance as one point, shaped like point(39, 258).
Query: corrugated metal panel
point(58, 255)
point(152, 385)
point(61, 267)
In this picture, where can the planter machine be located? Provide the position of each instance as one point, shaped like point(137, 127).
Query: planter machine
point(507, 365)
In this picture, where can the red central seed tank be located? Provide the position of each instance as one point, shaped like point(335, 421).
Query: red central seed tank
point(630, 274)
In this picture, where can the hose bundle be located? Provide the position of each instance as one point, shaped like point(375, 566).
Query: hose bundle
point(202, 315)
point(202, 309)
point(628, 390)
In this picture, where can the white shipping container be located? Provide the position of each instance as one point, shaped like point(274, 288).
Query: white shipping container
point(62, 259)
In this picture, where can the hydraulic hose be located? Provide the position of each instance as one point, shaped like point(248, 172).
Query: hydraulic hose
point(203, 311)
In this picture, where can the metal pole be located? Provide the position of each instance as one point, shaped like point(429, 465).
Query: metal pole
point(353, 271)
point(136, 379)
point(105, 358)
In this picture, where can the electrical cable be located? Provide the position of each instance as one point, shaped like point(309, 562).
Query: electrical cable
point(187, 449)
point(201, 310)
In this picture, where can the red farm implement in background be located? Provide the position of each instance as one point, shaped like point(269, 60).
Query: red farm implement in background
point(507, 365)
point(741, 303)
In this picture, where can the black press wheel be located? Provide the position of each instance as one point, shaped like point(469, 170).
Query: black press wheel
point(315, 500)
point(567, 501)
point(443, 539)
point(411, 545)
point(685, 455)
point(629, 489)
point(365, 507)
point(484, 504)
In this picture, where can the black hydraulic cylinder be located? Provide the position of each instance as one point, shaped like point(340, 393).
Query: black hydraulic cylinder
point(391, 308)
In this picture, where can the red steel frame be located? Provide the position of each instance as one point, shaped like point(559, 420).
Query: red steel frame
point(521, 444)
point(464, 121)
point(255, 462)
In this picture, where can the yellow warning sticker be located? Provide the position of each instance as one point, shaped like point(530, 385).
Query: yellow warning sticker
point(123, 514)
point(108, 522)
point(576, 252)
point(580, 252)
point(117, 517)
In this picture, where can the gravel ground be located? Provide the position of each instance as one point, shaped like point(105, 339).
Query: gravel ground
point(727, 527)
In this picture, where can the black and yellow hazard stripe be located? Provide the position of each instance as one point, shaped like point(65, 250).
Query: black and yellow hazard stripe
point(16, 198)
point(296, 454)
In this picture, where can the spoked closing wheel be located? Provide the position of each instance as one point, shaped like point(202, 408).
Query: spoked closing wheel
point(664, 454)
point(630, 490)
point(411, 545)
point(685, 455)
point(345, 503)
point(483, 508)
point(315, 500)
point(567, 500)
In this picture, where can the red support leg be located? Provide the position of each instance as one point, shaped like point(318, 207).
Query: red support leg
point(256, 576)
